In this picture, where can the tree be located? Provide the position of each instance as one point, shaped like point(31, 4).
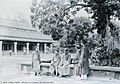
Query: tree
point(102, 11)
point(48, 17)
point(77, 29)
point(55, 19)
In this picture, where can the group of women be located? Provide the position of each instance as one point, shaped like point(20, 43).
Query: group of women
point(60, 64)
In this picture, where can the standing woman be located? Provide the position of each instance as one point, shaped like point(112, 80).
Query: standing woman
point(76, 61)
point(55, 62)
point(36, 61)
point(84, 60)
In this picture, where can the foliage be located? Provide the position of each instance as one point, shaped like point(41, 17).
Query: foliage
point(48, 17)
point(77, 29)
point(106, 58)
point(53, 18)
point(102, 11)
point(107, 51)
point(56, 19)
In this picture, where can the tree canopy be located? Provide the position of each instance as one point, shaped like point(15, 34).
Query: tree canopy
point(58, 19)
point(103, 11)
point(53, 18)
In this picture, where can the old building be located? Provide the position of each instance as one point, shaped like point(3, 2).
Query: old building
point(19, 37)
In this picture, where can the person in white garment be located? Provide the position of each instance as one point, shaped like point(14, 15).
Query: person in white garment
point(55, 63)
point(77, 68)
point(64, 67)
point(36, 61)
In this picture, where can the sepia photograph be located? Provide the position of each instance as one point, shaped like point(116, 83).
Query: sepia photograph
point(59, 41)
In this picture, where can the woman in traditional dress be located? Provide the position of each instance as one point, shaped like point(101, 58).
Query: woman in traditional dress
point(84, 60)
point(76, 61)
point(36, 61)
point(64, 65)
point(55, 63)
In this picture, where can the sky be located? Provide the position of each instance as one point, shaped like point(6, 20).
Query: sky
point(12, 8)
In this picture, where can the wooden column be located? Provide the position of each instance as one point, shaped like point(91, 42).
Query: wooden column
point(27, 48)
point(51, 47)
point(45, 46)
point(15, 47)
point(38, 44)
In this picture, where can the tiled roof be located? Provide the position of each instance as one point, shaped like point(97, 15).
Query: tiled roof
point(15, 30)
point(16, 24)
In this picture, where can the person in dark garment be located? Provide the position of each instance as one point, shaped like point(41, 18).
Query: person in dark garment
point(84, 60)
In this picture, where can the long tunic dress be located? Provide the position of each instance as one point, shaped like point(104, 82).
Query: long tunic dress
point(77, 68)
point(55, 62)
point(36, 61)
point(65, 62)
point(84, 60)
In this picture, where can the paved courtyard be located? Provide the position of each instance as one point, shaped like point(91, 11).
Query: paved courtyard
point(10, 74)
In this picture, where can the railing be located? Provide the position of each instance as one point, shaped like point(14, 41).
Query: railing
point(19, 52)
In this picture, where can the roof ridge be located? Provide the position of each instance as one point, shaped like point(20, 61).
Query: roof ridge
point(15, 23)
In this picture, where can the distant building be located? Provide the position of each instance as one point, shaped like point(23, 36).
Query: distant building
point(19, 37)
